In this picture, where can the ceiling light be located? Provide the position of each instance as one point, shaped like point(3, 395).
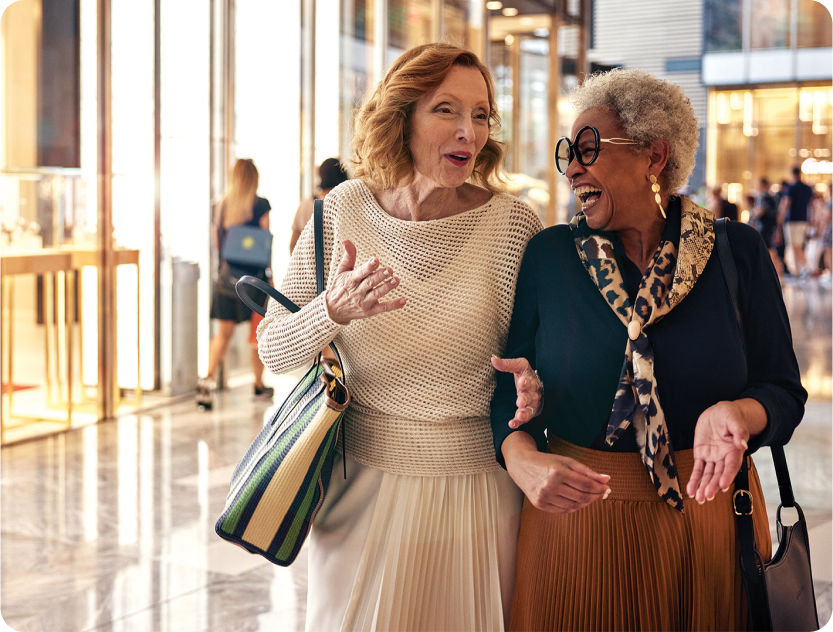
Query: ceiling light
point(509, 39)
point(494, 5)
point(510, 12)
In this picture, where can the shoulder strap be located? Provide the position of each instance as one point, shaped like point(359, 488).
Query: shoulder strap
point(727, 264)
point(318, 226)
point(318, 219)
point(264, 287)
point(750, 560)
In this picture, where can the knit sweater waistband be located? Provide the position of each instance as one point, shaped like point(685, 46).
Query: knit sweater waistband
point(415, 447)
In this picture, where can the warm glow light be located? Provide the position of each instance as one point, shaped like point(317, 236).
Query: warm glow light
point(749, 128)
point(820, 112)
point(734, 192)
point(805, 105)
point(723, 115)
point(509, 39)
point(811, 166)
point(494, 5)
point(510, 12)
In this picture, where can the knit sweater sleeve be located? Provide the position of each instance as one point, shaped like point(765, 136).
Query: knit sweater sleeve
point(286, 340)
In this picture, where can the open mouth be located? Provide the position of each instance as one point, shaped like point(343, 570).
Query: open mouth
point(587, 195)
point(459, 158)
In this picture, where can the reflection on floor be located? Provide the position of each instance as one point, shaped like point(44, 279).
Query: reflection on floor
point(110, 527)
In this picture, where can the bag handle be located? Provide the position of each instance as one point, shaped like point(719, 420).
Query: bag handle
point(262, 286)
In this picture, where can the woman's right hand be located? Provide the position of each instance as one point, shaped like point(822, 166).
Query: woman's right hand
point(553, 483)
point(356, 292)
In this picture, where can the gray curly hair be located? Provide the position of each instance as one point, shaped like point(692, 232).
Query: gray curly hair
point(649, 109)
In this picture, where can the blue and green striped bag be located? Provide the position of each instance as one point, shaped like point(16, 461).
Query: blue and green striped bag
point(279, 485)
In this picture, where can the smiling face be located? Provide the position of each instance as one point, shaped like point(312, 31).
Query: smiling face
point(613, 190)
point(449, 127)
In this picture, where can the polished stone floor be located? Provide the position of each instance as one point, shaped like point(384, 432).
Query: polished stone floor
point(110, 527)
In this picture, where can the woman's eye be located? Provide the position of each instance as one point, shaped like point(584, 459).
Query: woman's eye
point(586, 152)
point(443, 109)
point(482, 116)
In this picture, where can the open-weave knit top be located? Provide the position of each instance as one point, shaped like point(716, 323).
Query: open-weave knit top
point(420, 376)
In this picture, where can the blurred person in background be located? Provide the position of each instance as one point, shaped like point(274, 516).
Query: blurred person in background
point(331, 173)
point(814, 242)
point(720, 206)
point(240, 206)
point(422, 533)
point(827, 242)
point(653, 395)
point(765, 214)
point(793, 216)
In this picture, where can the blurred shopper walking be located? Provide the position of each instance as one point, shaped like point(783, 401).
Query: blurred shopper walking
point(331, 173)
point(793, 215)
point(720, 206)
point(765, 219)
point(240, 207)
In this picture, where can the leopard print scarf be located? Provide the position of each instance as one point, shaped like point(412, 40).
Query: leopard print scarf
point(670, 276)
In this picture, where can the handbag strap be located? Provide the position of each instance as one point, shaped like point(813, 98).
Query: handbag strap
point(730, 276)
point(258, 284)
point(318, 225)
point(727, 264)
point(750, 560)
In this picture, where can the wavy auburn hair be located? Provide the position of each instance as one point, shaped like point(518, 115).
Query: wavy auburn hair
point(382, 127)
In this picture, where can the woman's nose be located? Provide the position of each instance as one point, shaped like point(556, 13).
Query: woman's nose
point(574, 168)
point(465, 131)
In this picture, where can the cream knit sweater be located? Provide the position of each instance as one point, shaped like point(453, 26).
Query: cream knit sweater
point(420, 376)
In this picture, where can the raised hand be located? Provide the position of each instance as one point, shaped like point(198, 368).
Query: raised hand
point(356, 292)
point(528, 387)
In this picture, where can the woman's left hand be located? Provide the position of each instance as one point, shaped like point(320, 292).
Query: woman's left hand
point(720, 439)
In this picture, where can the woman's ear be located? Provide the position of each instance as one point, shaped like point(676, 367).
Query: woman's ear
point(658, 152)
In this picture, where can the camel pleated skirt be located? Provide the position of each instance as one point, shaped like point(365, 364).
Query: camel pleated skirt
point(392, 552)
point(632, 562)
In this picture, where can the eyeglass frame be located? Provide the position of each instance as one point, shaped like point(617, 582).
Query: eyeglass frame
point(572, 153)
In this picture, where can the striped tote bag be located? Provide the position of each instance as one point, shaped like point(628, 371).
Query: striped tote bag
point(279, 485)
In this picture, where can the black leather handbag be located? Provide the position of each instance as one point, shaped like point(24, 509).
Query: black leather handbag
point(780, 592)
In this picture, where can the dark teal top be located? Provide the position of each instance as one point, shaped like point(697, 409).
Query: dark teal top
point(566, 329)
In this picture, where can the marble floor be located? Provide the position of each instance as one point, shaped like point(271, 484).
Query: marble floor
point(110, 527)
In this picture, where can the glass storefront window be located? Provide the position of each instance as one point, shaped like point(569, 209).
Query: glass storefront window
point(770, 24)
point(814, 25)
point(409, 24)
point(356, 66)
point(722, 25)
point(463, 24)
point(765, 132)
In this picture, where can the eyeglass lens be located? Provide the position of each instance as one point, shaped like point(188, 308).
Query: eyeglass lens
point(585, 149)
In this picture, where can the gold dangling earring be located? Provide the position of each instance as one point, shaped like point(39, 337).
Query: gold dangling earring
point(657, 198)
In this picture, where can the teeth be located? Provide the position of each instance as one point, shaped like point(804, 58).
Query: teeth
point(583, 192)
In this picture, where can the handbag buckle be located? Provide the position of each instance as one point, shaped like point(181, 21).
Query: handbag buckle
point(743, 498)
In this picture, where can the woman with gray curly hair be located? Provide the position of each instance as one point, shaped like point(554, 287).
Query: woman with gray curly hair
point(653, 393)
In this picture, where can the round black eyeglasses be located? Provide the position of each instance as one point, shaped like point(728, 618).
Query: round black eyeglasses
point(584, 148)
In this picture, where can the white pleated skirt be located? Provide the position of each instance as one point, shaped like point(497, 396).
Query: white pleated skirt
point(395, 552)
